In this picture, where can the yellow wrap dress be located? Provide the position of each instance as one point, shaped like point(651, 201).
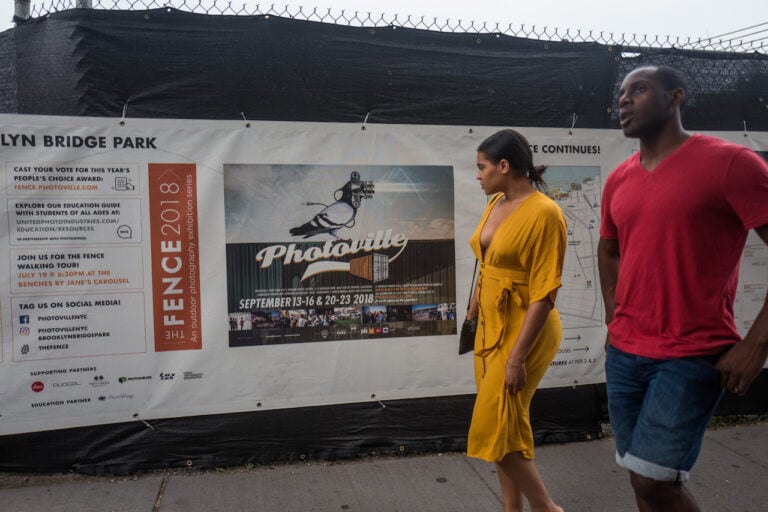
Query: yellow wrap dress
point(522, 264)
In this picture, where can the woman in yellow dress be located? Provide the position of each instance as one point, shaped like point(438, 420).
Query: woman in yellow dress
point(520, 243)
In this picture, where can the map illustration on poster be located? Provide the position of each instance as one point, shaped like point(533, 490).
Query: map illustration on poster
point(318, 253)
point(577, 191)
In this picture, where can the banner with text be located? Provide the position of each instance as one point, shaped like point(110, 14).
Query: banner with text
point(162, 268)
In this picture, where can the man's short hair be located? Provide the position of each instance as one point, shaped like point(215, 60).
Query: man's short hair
point(671, 79)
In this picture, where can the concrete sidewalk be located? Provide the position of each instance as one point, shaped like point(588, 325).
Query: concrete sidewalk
point(731, 475)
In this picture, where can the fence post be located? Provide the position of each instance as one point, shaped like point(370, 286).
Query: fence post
point(21, 11)
point(84, 4)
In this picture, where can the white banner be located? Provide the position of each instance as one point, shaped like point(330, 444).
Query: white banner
point(175, 268)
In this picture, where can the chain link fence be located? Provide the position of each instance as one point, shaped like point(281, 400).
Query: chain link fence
point(744, 41)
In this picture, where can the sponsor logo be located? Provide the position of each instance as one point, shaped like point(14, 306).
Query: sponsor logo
point(385, 330)
point(38, 386)
point(121, 396)
point(167, 376)
point(65, 384)
point(193, 375)
point(98, 381)
point(123, 380)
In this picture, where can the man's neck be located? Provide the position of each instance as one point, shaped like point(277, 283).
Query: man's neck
point(654, 150)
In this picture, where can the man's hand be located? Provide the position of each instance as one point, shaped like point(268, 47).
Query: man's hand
point(744, 361)
point(741, 365)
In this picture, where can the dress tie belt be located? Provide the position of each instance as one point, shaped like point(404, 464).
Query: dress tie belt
point(509, 282)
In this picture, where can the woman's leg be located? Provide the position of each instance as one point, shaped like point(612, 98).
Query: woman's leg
point(524, 478)
point(510, 492)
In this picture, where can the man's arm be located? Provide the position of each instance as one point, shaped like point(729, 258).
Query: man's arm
point(608, 266)
point(744, 361)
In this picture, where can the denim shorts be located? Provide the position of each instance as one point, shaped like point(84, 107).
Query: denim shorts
point(659, 411)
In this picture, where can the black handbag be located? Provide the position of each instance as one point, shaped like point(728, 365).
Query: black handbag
point(467, 336)
point(469, 327)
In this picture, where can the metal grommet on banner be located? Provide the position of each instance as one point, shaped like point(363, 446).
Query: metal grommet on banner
point(125, 110)
point(573, 123)
point(365, 121)
point(247, 124)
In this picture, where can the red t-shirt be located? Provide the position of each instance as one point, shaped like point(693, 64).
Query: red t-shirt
point(681, 230)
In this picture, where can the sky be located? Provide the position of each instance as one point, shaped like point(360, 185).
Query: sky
point(702, 19)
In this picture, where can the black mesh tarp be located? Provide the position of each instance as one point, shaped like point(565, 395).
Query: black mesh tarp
point(180, 65)
point(7, 72)
point(169, 64)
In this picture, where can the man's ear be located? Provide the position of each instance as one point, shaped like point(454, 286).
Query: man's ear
point(677, 96)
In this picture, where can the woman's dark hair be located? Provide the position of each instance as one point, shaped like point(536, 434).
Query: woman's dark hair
point(511, 146)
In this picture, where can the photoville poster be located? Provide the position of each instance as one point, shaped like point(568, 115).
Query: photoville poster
point(341, 252)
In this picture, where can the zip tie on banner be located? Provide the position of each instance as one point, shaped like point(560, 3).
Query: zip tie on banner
point(125, 110)
point(365, 121)
point(745, 129)
point(573, 123)
point(149, 426)
point(247, 124)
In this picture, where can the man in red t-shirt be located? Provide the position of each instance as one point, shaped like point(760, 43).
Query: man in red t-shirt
point(675, 218)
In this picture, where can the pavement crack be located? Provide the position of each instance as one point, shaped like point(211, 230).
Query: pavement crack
point(161, 493)
point(732, 450)
point(482, 479)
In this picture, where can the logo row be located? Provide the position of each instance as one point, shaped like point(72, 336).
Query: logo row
point(99, 381)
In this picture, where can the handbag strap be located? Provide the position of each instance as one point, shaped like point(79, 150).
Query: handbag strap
point(474, 272)
point(472, 285)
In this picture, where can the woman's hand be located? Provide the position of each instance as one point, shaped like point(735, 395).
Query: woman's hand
point(514, 377)
point(535, 317)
